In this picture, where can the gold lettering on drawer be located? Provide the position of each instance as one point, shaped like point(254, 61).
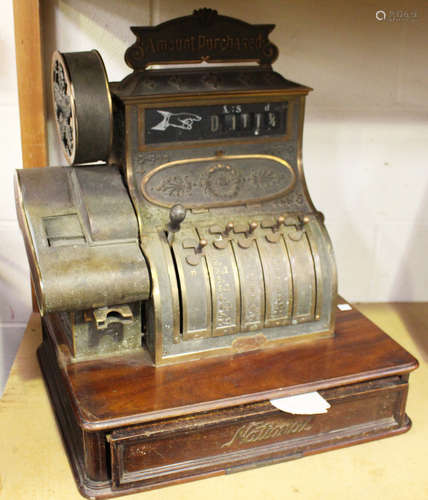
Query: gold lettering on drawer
point(260, 431)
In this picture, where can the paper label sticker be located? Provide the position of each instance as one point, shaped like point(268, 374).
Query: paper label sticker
point(344, 307)
point(310, 403)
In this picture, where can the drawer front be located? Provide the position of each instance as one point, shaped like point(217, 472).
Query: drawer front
point(250, 435)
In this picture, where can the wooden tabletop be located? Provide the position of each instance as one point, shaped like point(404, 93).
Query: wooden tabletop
point(33, 463)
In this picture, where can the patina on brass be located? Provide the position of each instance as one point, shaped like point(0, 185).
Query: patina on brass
point(198, 236)
point(82, 106)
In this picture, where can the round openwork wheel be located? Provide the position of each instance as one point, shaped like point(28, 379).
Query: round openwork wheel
point(82, 106)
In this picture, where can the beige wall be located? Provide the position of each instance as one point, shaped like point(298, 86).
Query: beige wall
point(14, 279)
point(365, 141)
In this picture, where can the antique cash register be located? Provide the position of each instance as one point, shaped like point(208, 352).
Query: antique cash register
point(183, 274)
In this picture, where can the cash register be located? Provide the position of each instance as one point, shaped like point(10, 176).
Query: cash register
point(183, 275)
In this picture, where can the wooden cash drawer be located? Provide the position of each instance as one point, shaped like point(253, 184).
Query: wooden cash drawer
point(232, 439)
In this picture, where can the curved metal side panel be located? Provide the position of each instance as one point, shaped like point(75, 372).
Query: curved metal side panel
point(36, 277)
point(303, 272)
point(163, 325)
point(194, 286)
point(83, 253)
point(327, 281)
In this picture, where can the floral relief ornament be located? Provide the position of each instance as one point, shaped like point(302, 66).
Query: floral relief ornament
point(221, 181)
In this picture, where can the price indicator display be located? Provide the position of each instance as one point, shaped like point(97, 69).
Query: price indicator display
point(220, 121)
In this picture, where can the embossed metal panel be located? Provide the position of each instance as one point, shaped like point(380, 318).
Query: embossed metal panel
point(278, 281)
point(252, 286)
point(162, 313)
point(224, 287)
point(194, 286)
point(218, 181)
point(203, 36)
point(303, 271)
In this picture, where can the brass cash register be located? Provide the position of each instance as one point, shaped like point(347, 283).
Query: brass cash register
point(183, 274)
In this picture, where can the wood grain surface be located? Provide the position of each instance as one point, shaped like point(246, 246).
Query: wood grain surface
point(30, 82)
point(33, 462)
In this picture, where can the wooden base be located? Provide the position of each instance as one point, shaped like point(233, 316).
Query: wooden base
point(128, 426)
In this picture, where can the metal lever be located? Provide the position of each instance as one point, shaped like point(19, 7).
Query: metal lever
point(297, 234)
point(253, 226)
point(302, 221)
point(177, 215)
point(201, 245)
point(229, 227)
point(279, 222)
point(195, 259)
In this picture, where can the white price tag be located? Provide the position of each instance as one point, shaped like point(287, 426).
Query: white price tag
point(310, 403)
point(344, 307)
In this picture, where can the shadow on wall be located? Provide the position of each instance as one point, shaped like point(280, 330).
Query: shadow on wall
point(412, 275)
point(16, 312)
point(115, 17)
point(25, 365)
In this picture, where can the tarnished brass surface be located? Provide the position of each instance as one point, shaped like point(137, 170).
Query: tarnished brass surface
point(87, 339)
point(203, 240)
point(82, 106)
point(218, 181)
point(195, 292)
point(199, 37)
point(279, 285)
point(225, 288)
point(84, 249)
point(251, 281)
point(302, 265)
